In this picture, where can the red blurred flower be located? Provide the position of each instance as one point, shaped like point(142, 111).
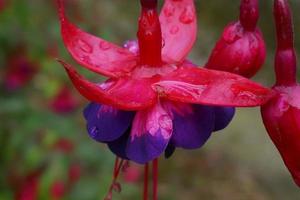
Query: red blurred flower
point(19, 71)
point(64, 145)
point(64, 101)
point(74, 173)
point(57, 190)
point(27, 188)
point(132, 173)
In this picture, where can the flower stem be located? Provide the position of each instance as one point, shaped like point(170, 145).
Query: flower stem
point(149, 34)
point(249, 14)
point(285, 58)
point(155, 177)
point(145, 194)
point(114, 184)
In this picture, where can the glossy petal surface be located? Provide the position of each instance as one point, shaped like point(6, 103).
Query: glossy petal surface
point(210, 87)
point(95, 53)
point(124, 93)
point(105, 123)
point(179, 28)
point(150, 134)
point(223, 116)
point(281, 117)
point(238, 51)
point(192, 124)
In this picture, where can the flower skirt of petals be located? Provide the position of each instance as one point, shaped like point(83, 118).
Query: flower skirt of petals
point(144, 135)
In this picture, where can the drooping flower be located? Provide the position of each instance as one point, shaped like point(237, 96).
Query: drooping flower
point(154, 100)
point(281, 115)
point(241, 49)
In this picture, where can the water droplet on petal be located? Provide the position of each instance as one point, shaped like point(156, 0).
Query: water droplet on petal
point(84, 46)
point(104, 45)
point(188, 15)
point(163, 43)
point(169, 10)
point(94, 132)
point(174, 30)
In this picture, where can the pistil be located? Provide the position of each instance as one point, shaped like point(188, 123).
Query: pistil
point(149, 34)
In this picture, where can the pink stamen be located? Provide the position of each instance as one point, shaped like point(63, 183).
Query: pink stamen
point(285, 58)
point(145, 193)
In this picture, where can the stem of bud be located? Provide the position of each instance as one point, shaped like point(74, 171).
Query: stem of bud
point(249, 14)
point(149, 34)
point(285, 58)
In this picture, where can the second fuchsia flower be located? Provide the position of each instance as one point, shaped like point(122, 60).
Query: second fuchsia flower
point(281, 115)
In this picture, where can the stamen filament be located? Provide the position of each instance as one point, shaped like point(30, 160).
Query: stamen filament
point(155, 177)
point(117, 168)
point(145, 193)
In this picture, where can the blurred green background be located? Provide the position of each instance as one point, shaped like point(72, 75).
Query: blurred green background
point(43, 139)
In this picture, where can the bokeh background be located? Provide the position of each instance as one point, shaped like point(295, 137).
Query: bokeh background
point(44, 148)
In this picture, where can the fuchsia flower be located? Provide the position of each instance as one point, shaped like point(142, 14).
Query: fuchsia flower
point(281, 115)
point(241, 49)
point(154, 99)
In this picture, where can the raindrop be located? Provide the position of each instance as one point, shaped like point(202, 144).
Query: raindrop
point(174, 30)
point(188, 15)
point(94, 132)
point(84, 46)
point(163, 43)
point(169, 10)
point(104, 45)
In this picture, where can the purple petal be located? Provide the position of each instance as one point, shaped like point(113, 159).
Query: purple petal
point(192, 124)
point(223, 116)
point(118, 146)
point(150, 134)
point(105, 123)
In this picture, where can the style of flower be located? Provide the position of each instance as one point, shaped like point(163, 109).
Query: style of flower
point(281, 114)
point(241, 49)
